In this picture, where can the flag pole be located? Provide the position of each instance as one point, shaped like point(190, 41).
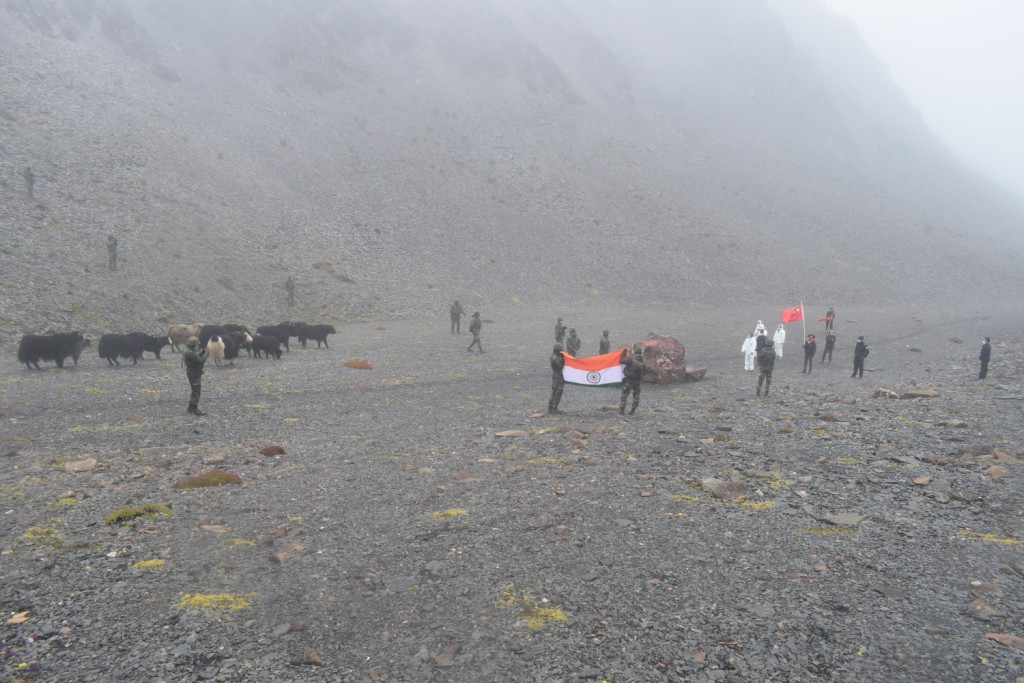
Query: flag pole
point(803, 319)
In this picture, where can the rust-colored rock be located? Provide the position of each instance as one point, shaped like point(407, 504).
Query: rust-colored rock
point(273, 449)
point(665, 361)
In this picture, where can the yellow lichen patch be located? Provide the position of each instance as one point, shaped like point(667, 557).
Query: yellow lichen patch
point(43, 535)
point(543, 461)
point(256, 405)
point(990, 538)
point(148, 390)
point(291, 419)
point(125, 515)
point(63, 502)
point(850, 459)
point(775, 481)
point(533, 612)
point(209, 602)
point(237, 541)
point(148, 564)
point(680, 515)
point(453, 512)
point(95, 390)
point(829, 530)
point(680, 496)
point(757, 506)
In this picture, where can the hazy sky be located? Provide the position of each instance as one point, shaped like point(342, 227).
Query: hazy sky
point(961, 62)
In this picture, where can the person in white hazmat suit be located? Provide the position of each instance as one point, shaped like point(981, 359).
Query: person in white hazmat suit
point(759, 329)
point(779, 338)
point(748, 350)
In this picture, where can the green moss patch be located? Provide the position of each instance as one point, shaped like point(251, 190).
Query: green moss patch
point(147, 511)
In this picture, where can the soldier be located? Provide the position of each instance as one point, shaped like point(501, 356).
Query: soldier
point(456, 312)
point(765, 363)
point(474, 328)
point(830, 343)
point(986, 353)
point(289, 287)
point(30, 181)
point(573, 343)
point(606, 344)
point(749, 350)
point(112, 251)
point(830, 318)
point(860, 352)
point(559, 332)
point(632, 375)
point(810, 348)
point(557, 380)
point(194, 360)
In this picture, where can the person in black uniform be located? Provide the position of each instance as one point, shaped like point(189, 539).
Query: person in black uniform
point(986, 353)
point(810, 348)
point(860, 352)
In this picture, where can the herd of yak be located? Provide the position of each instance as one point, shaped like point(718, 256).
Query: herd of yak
point(223, 342)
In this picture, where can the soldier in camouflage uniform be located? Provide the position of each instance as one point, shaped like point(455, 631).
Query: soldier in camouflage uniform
point(632, 375)
point(606, 343)
point(474, 328)
point(765, 363)
point(457, 311)
point(573, 343)
point(557, 380)
point(194, 360)
point(559, 332)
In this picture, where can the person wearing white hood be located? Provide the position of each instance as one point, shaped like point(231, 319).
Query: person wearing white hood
point(779, 338)
point(748, 350)
point(759, 329)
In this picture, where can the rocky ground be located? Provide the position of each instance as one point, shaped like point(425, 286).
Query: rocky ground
point(819, 534)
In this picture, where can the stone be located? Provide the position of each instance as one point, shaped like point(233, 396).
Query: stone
point(271, 450)
point(664, 359)
point(512, 433)
point(845, 519)
point(730, 490)
point(981, 610)
point(920, 393)
point(76, 466)
point(996, 471)
point(1007, 639)
point(884, 393)
point(446, 657)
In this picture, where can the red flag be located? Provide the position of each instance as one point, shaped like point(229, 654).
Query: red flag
point(792, 314)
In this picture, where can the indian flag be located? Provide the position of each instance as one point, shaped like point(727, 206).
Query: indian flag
point(593, 371)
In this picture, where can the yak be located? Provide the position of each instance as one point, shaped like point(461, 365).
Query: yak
point(56, 347)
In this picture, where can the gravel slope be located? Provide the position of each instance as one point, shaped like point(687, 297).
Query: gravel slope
point(590, 549)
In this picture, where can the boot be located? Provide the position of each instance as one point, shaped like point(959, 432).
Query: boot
point(632, 410)
point(758, 392)
point(622, 410)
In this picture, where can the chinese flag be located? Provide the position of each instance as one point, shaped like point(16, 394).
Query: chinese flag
point(792, 314)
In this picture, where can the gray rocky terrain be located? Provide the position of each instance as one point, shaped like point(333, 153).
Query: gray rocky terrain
point(818, 534)
point(679, 167)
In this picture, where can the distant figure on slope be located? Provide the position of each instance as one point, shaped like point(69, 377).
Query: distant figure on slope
point(779, 338)
point(559, 332)
point(749, 350)
point(830, 318)
point(810, 348)
point(475, 324)
point(456, 312)
point(765, 363)
point(289, 287)
point(632, 377)
point(830, 344)
point(573, 343)
point(605, 345)
point(30, 182)
point(986, 353)
point(112, 252)
point(860, 352)
point(557, 379)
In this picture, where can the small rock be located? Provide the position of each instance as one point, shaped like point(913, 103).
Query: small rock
point(846, 519)
point(922, 480)
point(1007, 639)
point(280, 630)
point(512, 433)
point(446, 657)
point(981, 610)
point(730, 490)
point(996, 471)
point(884, 393)
point(273, 449)
point(75, 466)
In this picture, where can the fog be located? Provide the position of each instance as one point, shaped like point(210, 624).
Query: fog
point(960, 63)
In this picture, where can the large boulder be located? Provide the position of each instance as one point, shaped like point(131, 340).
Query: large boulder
point(665, 359)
